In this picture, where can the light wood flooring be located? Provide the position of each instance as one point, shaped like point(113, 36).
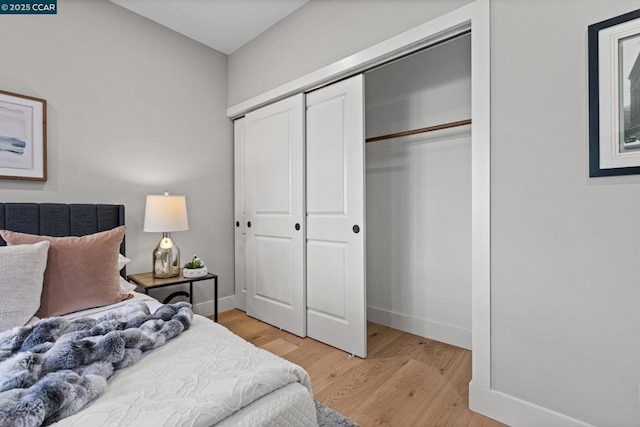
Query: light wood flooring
point(406, 380)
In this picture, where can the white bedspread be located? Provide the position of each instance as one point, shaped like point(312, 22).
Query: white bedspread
point(198, 379)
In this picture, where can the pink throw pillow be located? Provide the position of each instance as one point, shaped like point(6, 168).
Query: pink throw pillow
point(82, 272)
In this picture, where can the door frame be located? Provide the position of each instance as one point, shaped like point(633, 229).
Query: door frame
point(475, 17)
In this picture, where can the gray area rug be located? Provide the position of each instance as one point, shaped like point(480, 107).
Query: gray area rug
point(327, 417)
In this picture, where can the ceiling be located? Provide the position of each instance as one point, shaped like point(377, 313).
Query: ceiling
point(224, 25)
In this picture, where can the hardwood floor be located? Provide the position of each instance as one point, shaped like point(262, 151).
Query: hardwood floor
point(406, 380)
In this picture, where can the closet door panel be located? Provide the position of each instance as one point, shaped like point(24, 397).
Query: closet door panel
point(275, 278)
point(273, 175)
point(270, 254)
point(325, 283)
point(240, 216)
point(326, 180)
point(336, 293)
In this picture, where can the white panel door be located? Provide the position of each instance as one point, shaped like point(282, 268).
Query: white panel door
point(336, 287)
point(240, 211)
point(274, 147)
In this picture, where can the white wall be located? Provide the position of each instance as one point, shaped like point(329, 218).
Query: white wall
point(133, 109)
point(564, 282)
point(565, 286)
point(419, 195)
point(319, 33)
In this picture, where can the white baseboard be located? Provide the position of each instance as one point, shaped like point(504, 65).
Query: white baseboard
point(516, 412)
point(442, 332)
point(206, 308)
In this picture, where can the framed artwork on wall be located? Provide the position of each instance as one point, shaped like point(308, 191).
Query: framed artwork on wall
point(614, 96)
point(23, 137)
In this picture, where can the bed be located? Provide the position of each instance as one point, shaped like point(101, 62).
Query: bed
point(204, 376)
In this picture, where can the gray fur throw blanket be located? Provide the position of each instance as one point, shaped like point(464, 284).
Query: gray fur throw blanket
point(55, 367)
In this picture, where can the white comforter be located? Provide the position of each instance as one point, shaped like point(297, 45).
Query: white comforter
point(198, 379)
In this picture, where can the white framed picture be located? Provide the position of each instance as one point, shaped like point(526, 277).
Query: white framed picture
point(23, 137)
point(614, 96)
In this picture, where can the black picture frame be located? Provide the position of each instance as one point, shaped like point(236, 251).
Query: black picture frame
point(620, 160)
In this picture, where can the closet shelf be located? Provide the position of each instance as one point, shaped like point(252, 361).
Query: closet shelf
point(421, 130)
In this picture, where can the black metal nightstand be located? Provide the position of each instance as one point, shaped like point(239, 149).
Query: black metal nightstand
point(147, 281)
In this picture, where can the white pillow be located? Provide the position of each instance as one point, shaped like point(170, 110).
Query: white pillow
point(122, 261)
point(125, 287)
point(21, 276)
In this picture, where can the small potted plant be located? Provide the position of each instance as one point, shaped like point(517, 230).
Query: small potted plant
point(194, 268)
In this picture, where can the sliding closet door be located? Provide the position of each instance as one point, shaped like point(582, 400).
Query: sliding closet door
point(336, 292)
point(274, 146)
point(239, 173)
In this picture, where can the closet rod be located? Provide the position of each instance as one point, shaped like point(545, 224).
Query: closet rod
point(421, 130)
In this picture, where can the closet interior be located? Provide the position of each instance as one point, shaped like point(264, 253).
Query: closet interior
point(381, 230)
point(418, 198)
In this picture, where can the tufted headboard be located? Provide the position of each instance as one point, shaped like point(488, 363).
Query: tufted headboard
point(60, 220)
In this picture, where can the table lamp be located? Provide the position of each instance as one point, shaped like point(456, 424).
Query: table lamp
point(165, 214)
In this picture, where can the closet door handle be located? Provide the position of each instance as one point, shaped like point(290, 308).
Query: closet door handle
point(237, 223)
point(297, 226)
point(249, 224)
point(356, 229)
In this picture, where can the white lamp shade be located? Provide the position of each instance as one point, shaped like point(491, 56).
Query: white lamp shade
point(165, 214)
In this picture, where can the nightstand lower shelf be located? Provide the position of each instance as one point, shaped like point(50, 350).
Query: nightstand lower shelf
point(147, 281)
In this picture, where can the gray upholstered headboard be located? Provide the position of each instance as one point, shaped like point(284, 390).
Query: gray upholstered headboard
point(59, 219)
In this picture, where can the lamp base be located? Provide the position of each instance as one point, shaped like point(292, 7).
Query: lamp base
point(166, 258)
